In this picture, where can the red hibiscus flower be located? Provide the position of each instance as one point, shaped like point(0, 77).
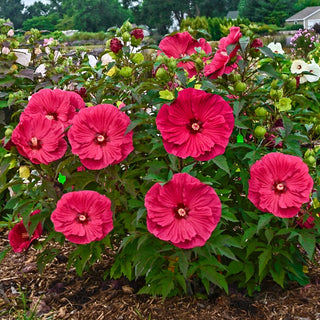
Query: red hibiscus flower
point(19, 237)
point(98, 135)
point(57, 105)
point(39, 139)
point(181, 45)
point(83, 216)
point(222, 62)
point(279, 184)
point(184, 211)
point(197, 124)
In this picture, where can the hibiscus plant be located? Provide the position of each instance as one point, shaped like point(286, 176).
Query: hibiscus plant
point(191, 167)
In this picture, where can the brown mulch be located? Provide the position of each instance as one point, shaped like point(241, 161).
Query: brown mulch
point(58, 294)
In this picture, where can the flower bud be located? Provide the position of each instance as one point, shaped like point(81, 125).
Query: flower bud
point(126, 36)
point(10, 33)
point(115, 45)
point(276, 94)
point(284, 104)
point(172, 63)
point(240, 87)
point(137, 57)
point(256, 43)
point(261, 112)
point(161, 74)
point(260, 131)
point(8, 132)
point(126, 72)
point(126, 26)
point(5, 50)
point(24, 172)
point(137, 33)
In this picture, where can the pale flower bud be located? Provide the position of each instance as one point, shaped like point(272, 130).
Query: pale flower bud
point(10, 33)
point(5, 50)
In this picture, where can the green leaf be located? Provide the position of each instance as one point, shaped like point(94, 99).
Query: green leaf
point(248, 270)
point(288, 125)
point(263, 221)
point(222, 163)
point(234, 267)
point(269, 70)
point(183, 262)
point(239, 124)
point(244, 41)
point(3, 253)
point(267, 51)
point(307, 241)
point(248, 234)
point(181, 76)
point(225, 251)
point(215, 277)
point(278, 273)
point(264, 258)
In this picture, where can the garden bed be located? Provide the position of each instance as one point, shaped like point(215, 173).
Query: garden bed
point(61, 294)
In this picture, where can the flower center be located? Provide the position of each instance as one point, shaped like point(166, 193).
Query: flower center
point(181, 211)
point(34, 143)
point(83, 218)
point(101, 138)
point(52, 116)
point(279, 187)
point(194, 126)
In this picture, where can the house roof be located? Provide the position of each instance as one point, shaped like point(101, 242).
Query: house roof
point(304, 14)
point(233, 14)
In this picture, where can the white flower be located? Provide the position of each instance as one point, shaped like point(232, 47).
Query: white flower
point(92, 60)
point(41, 70)
point(23, 56)
point(298, 66)
point(275, 47)
point(106, 58)
point(313, 68)
point(56, 55)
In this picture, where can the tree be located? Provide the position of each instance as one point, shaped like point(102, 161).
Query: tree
point(37, 9)
point(13, 10)
point(42, 22)
point(98, 15)
point(301, 4)
point(270, 12)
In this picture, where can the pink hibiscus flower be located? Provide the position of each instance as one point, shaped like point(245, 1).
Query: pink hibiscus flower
point(222, 62)
point(19, 237)
point(181, 45)
point(39, 139)
point(98, 135)
point(83, 216)
point(184, 211)
point(279, 184)
point(197, 124)
point(57, 105)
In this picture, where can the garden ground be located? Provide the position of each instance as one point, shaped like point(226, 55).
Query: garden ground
point(58, 294)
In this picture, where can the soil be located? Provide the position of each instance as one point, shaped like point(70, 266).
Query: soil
point(61, 294)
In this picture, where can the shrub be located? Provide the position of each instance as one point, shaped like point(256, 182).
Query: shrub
point(191, 182)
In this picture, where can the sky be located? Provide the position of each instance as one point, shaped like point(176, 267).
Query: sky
point(28, 2)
